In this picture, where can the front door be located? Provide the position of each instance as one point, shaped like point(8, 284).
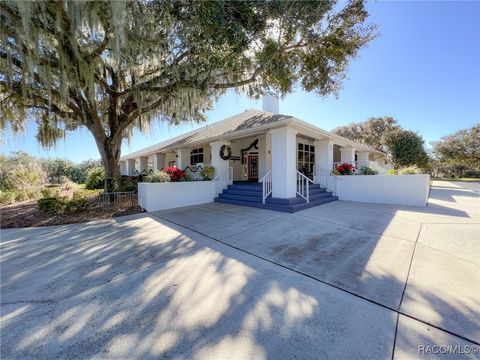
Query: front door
point(252, 167)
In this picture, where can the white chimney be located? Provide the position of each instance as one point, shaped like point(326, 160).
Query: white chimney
point(271, 103)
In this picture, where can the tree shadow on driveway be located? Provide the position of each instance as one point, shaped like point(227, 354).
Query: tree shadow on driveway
point(148, 288)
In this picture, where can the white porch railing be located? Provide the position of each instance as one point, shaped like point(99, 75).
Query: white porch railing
point(223, 179)
point(303, 188)
point(266, 181)
point(325, 178)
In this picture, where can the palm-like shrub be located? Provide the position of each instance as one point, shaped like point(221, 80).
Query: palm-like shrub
point(157, 177)
point(366, 170)
point(208, 172)
point(410, 170)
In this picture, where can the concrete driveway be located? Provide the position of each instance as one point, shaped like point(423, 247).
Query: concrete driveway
point(343, 280)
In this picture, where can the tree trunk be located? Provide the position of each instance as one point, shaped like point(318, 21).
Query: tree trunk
point(112, 166)
point(110, 153)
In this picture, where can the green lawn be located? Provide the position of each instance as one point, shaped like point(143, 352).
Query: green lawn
point(458, 179)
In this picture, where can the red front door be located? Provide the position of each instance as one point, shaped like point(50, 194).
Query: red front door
point(252, 167)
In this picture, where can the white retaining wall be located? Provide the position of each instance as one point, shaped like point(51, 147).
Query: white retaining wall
point(386, 189)
point(162, 196)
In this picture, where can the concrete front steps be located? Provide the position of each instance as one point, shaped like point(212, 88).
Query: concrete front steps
point(250, 194)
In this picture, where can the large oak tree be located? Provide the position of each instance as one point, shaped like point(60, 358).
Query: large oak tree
point(371, 132)
point(115, 66)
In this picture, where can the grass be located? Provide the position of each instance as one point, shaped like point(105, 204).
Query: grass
point(458, 179)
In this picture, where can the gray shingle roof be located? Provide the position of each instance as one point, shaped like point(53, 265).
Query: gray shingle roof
point(248, 120)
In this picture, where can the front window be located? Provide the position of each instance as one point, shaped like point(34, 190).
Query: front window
point(305, 159)
point(196, 156)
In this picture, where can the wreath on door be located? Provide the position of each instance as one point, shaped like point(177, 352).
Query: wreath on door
point(225, 152)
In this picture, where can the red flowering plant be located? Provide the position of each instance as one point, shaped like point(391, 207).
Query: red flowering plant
point(175, 173)
point(345, 169)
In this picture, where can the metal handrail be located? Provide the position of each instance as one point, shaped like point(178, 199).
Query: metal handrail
point(223, 179)
point(303, 186)
point(325, 178)
point(266, 181)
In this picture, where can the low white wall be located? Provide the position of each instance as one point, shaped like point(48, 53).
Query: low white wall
point(386, 189)
point(162, 196)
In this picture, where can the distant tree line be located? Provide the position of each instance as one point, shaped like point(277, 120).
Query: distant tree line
point(24, 173)
point(458, 154)
point(404, 147)
point(455, 155)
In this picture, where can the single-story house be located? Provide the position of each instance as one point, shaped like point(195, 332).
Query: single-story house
point(261, 158)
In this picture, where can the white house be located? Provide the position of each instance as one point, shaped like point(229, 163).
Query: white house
point(262, 158)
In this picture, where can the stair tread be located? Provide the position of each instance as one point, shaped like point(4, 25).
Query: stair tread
point(251, 195)
point(241, 197)
point(242, 192)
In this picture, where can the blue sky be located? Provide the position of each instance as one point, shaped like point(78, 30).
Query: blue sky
point(423, 69)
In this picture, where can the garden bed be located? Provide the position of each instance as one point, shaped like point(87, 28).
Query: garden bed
point(27, 214)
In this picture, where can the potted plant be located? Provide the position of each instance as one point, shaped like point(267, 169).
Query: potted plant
point(345, 169)
point(175, 173)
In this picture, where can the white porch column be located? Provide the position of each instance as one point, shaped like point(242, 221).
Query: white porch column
point(324, 154)
point(347, 154)
point(158, 161)
point(143, 163)
point(182, 158)
point(284, 164)
point(130, 166)
point(123, 168)
point(363, 156)
point(217, 161)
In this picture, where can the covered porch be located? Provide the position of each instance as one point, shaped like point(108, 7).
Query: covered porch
point(284, 165)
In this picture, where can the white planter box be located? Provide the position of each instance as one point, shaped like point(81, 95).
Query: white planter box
point(386, 189)
point(162, 196)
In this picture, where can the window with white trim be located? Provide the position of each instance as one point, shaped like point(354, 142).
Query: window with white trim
point(305, 158)
point(196, 156)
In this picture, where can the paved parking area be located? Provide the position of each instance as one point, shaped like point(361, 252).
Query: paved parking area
point(342, 280)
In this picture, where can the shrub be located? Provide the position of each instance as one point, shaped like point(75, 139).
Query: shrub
point(157, 177)
point(20, 171)
point(21, 195)
point(473, 173)
point(88, 193)
point(410, 170)
point(78, 203)
point(186, 178)
point(175, 173)
point(69, 185)
point(50, 192)
point(208, 172)
point(95, 178)
point(7, 197)
point(365, 170)
point(53, 206)
point(32, 193)
point(129, 184)
point(345, 169)
point(392, 172)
